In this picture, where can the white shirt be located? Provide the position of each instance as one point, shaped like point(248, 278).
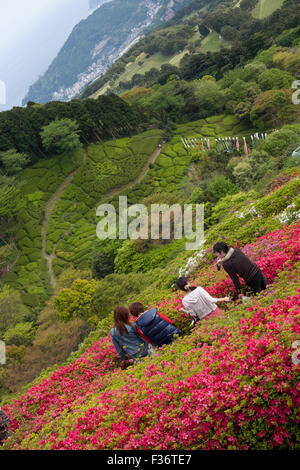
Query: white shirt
point(199, 303)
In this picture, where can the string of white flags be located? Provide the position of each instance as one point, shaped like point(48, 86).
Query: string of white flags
point(227, 144)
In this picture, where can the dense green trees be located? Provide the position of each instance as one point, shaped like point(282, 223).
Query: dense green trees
point(246, 34)
point(275, 79)
point(102, 265)
point(250, 36)
point(21, 334)
point(12, 309)
point(219, 187)
point(118, 289)
point(273, 108)
point(168, 42)
point(76, 302)
point(61, 136)
point(13, 161)
point(92, 300)
point(107, 116)
point(209, 98)
point(248, 4)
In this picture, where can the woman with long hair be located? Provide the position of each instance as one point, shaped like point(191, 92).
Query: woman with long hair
point(198, 303)
point(127, 342)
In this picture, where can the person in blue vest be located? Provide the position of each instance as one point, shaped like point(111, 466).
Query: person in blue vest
point(127, 341)
point(154, 327)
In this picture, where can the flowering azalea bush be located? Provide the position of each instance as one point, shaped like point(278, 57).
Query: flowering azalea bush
point(230, 383)
point(258, 218)
point(281, 180)
point(274, 252)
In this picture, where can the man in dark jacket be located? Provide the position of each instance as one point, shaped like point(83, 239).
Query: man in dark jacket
point(236, 263)
point(154, 327)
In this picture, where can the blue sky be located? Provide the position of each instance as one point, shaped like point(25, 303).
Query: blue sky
point(31, 34)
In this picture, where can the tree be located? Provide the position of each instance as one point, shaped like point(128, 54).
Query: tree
point(61, 136)
point(289, 61)
point(203, 30)
point(277, 143)
point(248, 4)
point(275, 79)
point(242, 174)
point(243, 110)
point(21, 334)
point(253, 70)
point(289, 37)
point(210, 98)
point(229, 33)
point(76, 301)
point(7, 256)
point(118, 289)
point(273, 108)
point(261, 163)
point(165, 106)
point(220, 187)
point(102, 265)
point(12, 310)
point(13, 162)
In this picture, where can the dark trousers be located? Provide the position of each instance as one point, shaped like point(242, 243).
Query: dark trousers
point(258, 282)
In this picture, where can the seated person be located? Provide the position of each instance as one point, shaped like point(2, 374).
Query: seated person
point(153, 326)
point(127, 341)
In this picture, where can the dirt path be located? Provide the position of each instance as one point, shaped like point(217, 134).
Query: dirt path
point(48, 212)
point(56, 196)
point(110, 194)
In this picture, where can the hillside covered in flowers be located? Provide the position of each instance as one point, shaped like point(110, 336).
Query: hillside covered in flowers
point(231, 382)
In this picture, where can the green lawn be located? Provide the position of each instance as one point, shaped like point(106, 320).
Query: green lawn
point(141, 65)
point(212, 43)
point(265, 8)
point(155, 61)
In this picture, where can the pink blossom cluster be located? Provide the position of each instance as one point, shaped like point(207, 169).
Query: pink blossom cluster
point(274, 252)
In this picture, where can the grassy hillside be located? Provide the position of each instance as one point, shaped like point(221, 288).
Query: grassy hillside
point(39, 182)
point(143, 63)
point(71, 229)
point(72, 219)
point(196, 29)
point(58, 219)
point(95, 43)
point(265, 8)
point(242, 358)
point(220, 129)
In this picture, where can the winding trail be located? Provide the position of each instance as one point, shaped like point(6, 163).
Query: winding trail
point(56, 196)
point(110, 194)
